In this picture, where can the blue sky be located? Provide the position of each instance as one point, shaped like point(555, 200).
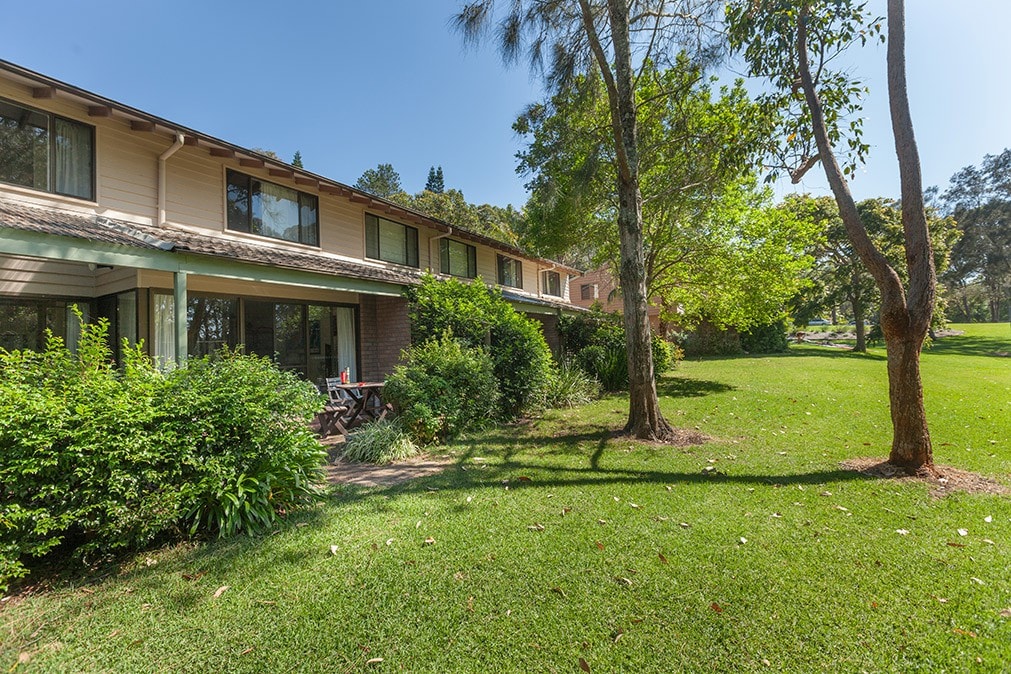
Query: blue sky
point(353, 84)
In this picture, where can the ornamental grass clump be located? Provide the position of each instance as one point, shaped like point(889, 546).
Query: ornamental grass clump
point(380, 442)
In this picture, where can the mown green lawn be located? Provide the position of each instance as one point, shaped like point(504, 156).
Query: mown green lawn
point(554, 542)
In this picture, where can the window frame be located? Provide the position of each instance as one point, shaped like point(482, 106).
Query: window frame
point(587, 289)
point(445, 259)
point(229, 172)
point(505, 260)
point(547, 286)
point(51, 118)
point(415, 264)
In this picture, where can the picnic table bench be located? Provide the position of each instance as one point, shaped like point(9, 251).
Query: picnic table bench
point(351, 405)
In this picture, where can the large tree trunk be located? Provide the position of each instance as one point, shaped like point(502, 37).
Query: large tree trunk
point(644, 418)
point(903, 322)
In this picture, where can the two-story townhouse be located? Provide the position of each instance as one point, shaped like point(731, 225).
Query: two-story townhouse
point(188, 242)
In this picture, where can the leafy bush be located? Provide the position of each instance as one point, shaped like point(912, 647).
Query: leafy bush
point(708, 340)
point(383, 441)
point(478, 317)
point(241, 429)
point(442, 389)
point(596, 343)
point(769, 338)
point(522, 362)
point(99, 458)
point(570, 386)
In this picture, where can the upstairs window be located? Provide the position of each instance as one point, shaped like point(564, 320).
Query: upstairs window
point(588, 291)
point(458, 258)
point(552, 283)
point(510, 272)
point(390, 241)
point(260, 207)
point(46, 152)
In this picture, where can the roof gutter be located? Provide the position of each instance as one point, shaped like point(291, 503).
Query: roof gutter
point(163, 177)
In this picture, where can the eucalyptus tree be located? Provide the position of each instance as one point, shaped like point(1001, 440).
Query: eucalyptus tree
point(714, 247)
point(794, 44)
point(979, 198)
point(564, 38)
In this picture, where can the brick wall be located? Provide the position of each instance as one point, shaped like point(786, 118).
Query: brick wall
point(386, 331)
point(549, 326)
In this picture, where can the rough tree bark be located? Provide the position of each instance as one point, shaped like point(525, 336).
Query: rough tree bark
point(904, 319)
point(645, 421)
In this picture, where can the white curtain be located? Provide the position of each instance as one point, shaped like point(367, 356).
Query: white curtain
point(73, 159)
point(346, 353)
point(164, 351)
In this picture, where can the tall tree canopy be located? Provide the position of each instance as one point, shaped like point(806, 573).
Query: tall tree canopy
point(979, 198)
point(435, 183)
point(382, 181)
point(714, 248)
point(564, 38)
point(794, 44)
point(839, 277)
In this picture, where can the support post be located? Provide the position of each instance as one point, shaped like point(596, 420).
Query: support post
point(180, 302)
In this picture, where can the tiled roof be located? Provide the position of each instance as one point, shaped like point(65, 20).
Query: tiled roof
point(58, 222)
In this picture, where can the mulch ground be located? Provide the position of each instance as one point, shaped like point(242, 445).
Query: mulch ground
point(371, 475)
point(946, 480)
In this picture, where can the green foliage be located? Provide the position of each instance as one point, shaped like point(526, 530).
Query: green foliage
point(451, 206)
point(707, 339)
point(98, 458)
point(769, 338)
point(240, 428)
point(442, 389)
point(596, 343)
point(381, 442)
point(383, 181)
point(435, 183)
point(477, 315)
point(570, 386)
point(296, 159)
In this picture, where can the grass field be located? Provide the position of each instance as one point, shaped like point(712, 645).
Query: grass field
point(554, 543)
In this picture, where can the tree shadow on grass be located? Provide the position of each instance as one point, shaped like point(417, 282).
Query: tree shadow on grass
point(684, 387)
point(962, 345)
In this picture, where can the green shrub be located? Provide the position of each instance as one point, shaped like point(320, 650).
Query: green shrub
point(769, 338)
point(596, 343)
point(478, 317)
point(99, 458)
point(442, 389)
point(381, 442)
point(240, 427)
point(708, 340)
point(569, 386)
point(522, 362)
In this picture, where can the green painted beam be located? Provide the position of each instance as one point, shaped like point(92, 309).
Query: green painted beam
point(68, 249)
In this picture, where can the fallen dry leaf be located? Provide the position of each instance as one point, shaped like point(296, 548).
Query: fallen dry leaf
point(428, 541)
point(902, 532)
point(193, 576)
point(536, 527)
point(743, 540)
point(220, 591)
point(248, 650)
point(618, 633)
point(566, 511)
point(600, 546)
point(825, 493)
point(627, 582)
point(373, 661)
point(634, 505)
point(685, 525)
point(965, 633)
point(716, 607)
point(523, 478)
point(963, 532)
point(956, 545)
point(977, 581)
point(333, 549)
point(583, 666)
point(663, 560)
point(601, 522)
point(1005, 613)
point(559, 591)
point(988, 519)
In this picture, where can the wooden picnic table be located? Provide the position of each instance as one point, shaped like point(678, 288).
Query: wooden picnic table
point(365, 402)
